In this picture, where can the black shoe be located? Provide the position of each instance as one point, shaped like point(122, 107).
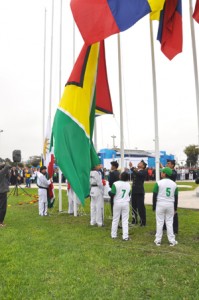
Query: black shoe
point(134, 222)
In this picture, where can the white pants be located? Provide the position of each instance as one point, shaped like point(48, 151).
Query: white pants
point(164, 212)
point(70, 201)
point(97, 207)
point(123, 210)
point(43, 202)
point(71, 196)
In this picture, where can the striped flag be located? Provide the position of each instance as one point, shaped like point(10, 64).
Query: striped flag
point(98, 19)
point(155, 15)
point(196, 12)
point(48, 161)
point(170, 28)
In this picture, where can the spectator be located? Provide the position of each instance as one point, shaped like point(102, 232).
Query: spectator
point(4, 188)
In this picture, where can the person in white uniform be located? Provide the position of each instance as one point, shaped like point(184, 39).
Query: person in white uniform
point(43, 184)
point(121, 192)
point(96, 194)
point(165, 201)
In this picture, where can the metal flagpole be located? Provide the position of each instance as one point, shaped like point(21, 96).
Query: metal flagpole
point(121, 104)
point(157, 151)
point(44, 78)
point(95, 134)
point(195, 63)
point(44, 89)
point(51, 62)
point(60, 73)
point(74, 195)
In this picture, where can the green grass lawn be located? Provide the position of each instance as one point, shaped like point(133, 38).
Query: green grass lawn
point(62, 257)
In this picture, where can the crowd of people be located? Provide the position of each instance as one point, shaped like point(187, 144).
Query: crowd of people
point(165, 199)
point(183, 173)
point(120, 191)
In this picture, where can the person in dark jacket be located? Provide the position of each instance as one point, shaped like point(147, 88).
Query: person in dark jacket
point(4, 189)
point(137, 196)
point(113, 177)
point(13, 176)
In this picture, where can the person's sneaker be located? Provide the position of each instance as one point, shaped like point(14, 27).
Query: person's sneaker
point(127, 239)
point(158, 244)
point(172, 244)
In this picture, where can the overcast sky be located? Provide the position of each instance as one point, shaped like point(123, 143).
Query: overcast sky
point(21, 81)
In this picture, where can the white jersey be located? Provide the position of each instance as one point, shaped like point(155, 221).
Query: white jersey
point(95, 179)
point(166, 190)
point(42, 181)
point(121, 190)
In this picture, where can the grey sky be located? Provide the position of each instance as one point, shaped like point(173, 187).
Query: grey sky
point(21, 81)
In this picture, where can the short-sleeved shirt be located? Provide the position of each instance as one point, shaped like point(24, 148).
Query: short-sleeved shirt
point(121, 190)
point(166, 189)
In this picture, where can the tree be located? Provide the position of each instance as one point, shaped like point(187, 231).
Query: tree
point(192, 152)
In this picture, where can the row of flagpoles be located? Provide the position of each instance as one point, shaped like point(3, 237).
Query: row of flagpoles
point(47, 129)
point(155, 97)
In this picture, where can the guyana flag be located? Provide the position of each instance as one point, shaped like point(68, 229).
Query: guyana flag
point(74, 119)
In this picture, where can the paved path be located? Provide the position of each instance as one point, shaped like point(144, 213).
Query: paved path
point(186, 199)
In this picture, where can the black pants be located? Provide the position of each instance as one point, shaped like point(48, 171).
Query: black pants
point(3, 206)
point(175, 224)
point(138, 208)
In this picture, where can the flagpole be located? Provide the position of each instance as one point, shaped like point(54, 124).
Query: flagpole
point(44, 77)
point(121, 104)
point(195, 63)
point(60, 73)
point(73, 42)
point(74, 195)
point(157, 151)
point(95, 134)
point(51, 62)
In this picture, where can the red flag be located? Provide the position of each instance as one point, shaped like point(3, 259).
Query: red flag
point(196, 12)
point(49, 163)
point(170, 28)
point(103, 97)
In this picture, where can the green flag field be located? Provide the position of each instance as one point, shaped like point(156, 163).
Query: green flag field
point(62, 257)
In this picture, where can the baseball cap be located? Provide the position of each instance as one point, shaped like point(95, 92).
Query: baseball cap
point(167, 171)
